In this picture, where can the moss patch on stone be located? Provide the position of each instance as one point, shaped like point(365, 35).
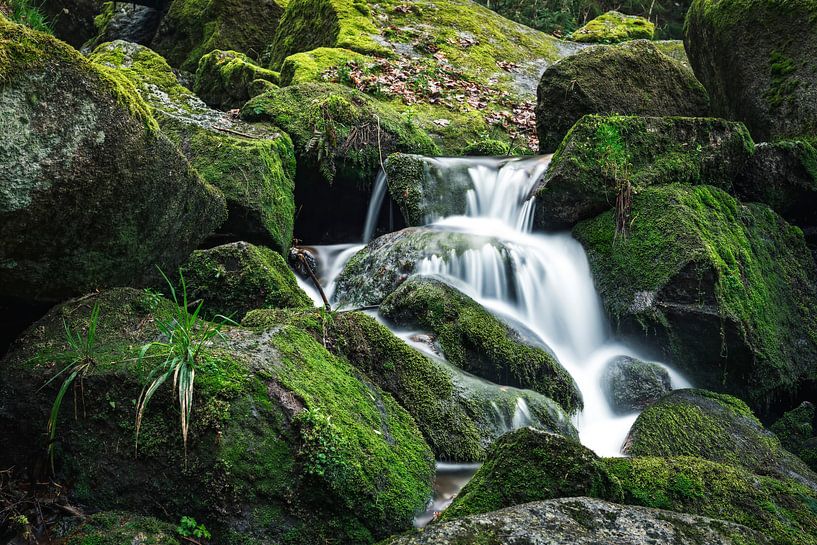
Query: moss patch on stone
point(118, 527)
point(476, 341)
point(311, 66)
point(614, 27)
point(224, 79)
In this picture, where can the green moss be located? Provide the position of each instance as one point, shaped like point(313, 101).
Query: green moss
point(193, 28)
point(115, 528)
point(747, 274)
point(783, 511)
point(488, 147)
point(477, 342)
point(528, 465)
point(310, 66)
point(235, 278)
point(225, 79)
point(614, 27)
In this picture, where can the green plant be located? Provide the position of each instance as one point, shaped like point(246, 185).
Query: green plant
point(185, 335)
point(80, 361)
point(188, 527)
point(26, 13)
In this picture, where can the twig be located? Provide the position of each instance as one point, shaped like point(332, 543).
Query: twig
point(231, 131)
point(300, 256)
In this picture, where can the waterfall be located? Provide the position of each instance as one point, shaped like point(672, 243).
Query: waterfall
point(378, 194)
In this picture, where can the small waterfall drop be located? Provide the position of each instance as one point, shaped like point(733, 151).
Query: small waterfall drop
point(378, 194)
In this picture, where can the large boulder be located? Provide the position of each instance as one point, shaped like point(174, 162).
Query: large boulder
point(634, 78)
point(459, 415)
point(236, 278)
point(287, 442)
point(614, 27)
point(92, 194)
point(135, 23)
point(760, 73)
point(341, 137)
point(583, 521)
point(190, 29)
point(716, 427)
point(474, 340)
point(530, 465)
point(252, 164)
point(631, 384)
point(725, 292)
point(797, 433)
point(228, 79)
point(603, 154)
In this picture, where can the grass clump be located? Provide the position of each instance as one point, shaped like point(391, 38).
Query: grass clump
point(26, 12)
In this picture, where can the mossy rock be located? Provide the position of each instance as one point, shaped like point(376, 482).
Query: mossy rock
point(225, 79)
point(583, 521)
point(675, 50)
point(530, 465)
point(287, 442)
point(715, 427)
point(631, 385)
point(119, 527)
point(722, 291)
point(386, 262)
point(614, 27)
point(236, 278)
point(781, 510)
point(474, 340)
point(634, 78)
point(796, 432)
point(310, 66)
point(761, 74)
point(192, 28)
point(457, 414)
point(129, 22)
point(783, 175)
point(487, 147)
point(93, 195)
point(601, 153)
point(252, 164)
point(340, 137)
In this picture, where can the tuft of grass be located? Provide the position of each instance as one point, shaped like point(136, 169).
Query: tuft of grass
point(26, 13)
point(184, 336)
point(80, 360)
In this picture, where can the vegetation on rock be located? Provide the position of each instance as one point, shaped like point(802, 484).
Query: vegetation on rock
point(632, 385)
point(614, 27)
point(795, 429)
point(224, 79)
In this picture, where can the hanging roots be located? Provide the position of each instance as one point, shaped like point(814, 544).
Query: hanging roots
point(624, 205)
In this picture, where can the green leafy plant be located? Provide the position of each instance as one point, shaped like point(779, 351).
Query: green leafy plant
point(180, 354)
point(188, 527)
point(80, 360)
point(26, 13)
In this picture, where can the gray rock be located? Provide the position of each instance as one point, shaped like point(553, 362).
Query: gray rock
point(631, 384)
point(583, 521)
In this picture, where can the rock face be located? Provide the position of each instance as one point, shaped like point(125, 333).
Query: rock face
point(287, 441)
point(459, 415)
point(796, 432)
point(253, 165)
point(716, 427)
point(529, 465)
point(757, 73)
point(614, 27)
point(339, 135)
point(235, 278)
point(224, 79)
point(724, 291)
point(94, 207)
point(583, 521)
point(602, 154)
point(190, 29)
point(128, 22)
point(631, 384)
point(474, 340)
point(634, 78)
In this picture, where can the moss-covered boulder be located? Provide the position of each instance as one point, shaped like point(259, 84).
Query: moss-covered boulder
point(119, 527)
point(236, 278)
point(287, 442)
point(631, 384)
point(386, 262)
point(92, 194)
point(601, 155)
point(715, 427)
point(614, 27)
point(135, 23)
point(781, 510)
point(224, 79)
point(796, 432)
point(760, 73)
point(529, 465)
point(340, 137)
point(252, 164)
point(311, 66)
point(459, 415)
point(192, 28)
point(725, 292)
point(783, 175)
point(474, 340)
point(583, 521)
point(634, 78)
